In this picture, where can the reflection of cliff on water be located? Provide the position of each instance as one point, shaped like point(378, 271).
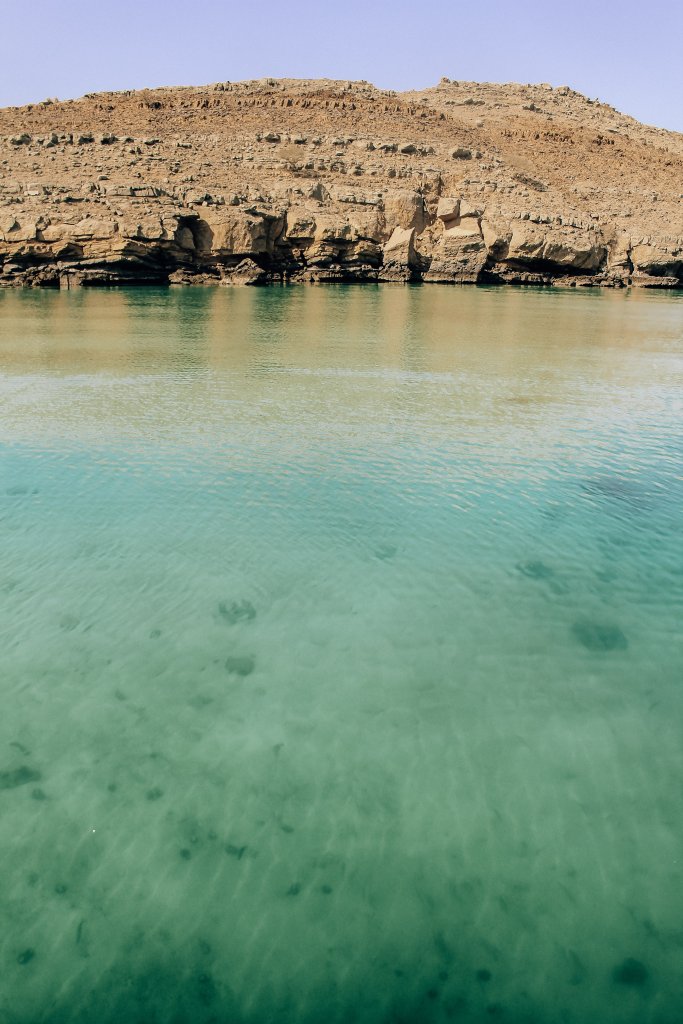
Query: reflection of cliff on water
point(469, 361)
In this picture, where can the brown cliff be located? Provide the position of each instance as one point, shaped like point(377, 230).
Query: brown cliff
point(338, 181)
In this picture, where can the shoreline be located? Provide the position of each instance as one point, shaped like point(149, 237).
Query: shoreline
point(74, 279)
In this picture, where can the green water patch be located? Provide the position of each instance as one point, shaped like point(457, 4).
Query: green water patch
point(336, 684)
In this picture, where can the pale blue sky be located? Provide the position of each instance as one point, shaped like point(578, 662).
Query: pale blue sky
point(627, 53)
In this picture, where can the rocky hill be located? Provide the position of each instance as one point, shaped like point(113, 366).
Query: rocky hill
point(329, 180)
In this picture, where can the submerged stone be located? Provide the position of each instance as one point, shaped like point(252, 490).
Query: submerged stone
point(26, 956)
point(599, 636)
point(13, 777)
point(630, 972)
point(483, 974)
point(235, 851)
point(618, 488)
point(236, 611)
point(535, 570)
point(240, 666)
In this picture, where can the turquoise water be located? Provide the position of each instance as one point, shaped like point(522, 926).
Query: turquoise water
point(341, 658)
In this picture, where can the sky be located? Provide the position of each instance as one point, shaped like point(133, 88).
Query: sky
point(623, 52)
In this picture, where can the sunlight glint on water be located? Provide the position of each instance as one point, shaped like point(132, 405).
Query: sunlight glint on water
point(341, 670)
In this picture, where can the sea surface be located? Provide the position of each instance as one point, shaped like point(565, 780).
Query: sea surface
point(341, 656)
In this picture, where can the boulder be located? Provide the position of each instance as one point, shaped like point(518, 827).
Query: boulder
point(468, 209)
point(232, 230)
point(92, 228)
point(400, 261)
point(19, 231)
point(462, 153)
point(496, 232)
point(658, 259)
point(537, 246)
point(247, 272)
point(55, 232)
point(459, 258)
point(405, 209)
point(460, 253)
point(619, 263)
point(301, 224)
point(363, 251)
point(448, 209)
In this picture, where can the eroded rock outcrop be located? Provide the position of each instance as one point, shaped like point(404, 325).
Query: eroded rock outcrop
point(273, 181)
point(460, 253)
point(400, 260)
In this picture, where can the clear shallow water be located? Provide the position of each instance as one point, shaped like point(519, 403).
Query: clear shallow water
point(341, 659)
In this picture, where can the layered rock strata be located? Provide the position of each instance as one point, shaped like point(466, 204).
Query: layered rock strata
point(266, 181)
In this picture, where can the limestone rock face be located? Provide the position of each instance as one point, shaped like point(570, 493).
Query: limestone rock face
point(496, 231)
point(556, 248)
point(405, 209)
point(228, 231)
point(254, 182)
point(448, 209)
point(619, 256)
point(247, 272)
point(461, 253)
point(658, 259)
point(400, 261)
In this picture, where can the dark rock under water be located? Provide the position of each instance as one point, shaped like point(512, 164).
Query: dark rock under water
point(12, 777)
point(631, 972)
point(236, 611)
point(240, 665)
point(599, 636)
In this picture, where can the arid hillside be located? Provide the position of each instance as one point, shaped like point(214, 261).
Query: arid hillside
point(278, 180)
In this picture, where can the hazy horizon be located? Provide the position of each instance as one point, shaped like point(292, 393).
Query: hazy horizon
point(130, 46)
